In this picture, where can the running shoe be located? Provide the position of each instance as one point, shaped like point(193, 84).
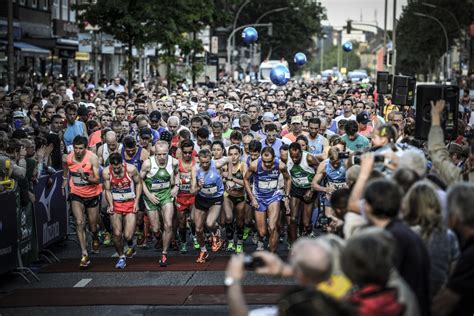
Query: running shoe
point(183, 248)
point(246, 233)
point(121, 263)
point(196, 243)
point(240, 248)
point(130, 253)
point(101, 236)
point(85, 262)
point(216, 243)
point(203, 255)
point(95, 246)
point(163, 260)
point(141, 239)
point(231, 246)
point(174, 245)
point(260, 246)
point(255, 238)
point(107, 239)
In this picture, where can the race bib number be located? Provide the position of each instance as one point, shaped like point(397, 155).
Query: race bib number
point(270, 185)
point(210, 190)
point(78, 180)
point(337, 185)
point(160, 186)
point(125, 196)
point(301, 181)
point(185, 187)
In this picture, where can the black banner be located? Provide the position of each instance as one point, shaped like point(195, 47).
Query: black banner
point(8, 231)
point(51, 216)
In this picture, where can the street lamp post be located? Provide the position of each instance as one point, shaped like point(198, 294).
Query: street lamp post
point(231, 36)
point(271, 11)
point(429, 5)
point(234, 25)
point(254, 49)
point(445, 37)
point(394, 38)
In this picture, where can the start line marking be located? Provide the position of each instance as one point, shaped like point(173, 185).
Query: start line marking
point(82, 283)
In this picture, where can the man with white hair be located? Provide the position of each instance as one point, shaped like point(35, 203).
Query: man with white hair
point(161, 184)
point(415, 160)
point(174, 127)
point(110, 146)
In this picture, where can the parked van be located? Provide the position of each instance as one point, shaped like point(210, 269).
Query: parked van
point(265, 68)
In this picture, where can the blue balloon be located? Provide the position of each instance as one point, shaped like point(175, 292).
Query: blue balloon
point(347, 47)
point(280, 75)
point(249, 35)
point(300, 59)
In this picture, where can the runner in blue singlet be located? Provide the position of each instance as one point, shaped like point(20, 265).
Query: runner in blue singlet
point(264, 195)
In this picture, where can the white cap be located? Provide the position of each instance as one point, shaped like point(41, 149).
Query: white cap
point(236, 123)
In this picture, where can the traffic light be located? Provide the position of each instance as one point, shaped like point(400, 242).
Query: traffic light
point(349, 27)
point(387, 59)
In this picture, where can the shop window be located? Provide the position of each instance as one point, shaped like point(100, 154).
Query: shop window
point(72, 12)
point(55, 10)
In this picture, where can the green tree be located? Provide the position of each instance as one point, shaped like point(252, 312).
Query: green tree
point(421, 41)
point(127, 20)
point(350, 60)
point(140, 22)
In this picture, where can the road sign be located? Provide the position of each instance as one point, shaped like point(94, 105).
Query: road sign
point(214, 45)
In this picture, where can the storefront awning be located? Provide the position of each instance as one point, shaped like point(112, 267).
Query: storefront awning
point(28, 49)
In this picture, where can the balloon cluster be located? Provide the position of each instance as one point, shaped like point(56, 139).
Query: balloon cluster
point(279, 75)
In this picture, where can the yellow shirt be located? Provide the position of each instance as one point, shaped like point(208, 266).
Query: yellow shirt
point(337, 286)
point(388, 109)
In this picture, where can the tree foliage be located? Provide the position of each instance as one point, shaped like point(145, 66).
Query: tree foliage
point(421, 41)
point(140, 22)
point(349, 60)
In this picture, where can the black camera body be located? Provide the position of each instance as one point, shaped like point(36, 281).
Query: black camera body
point(377, 158)
point(251, 262)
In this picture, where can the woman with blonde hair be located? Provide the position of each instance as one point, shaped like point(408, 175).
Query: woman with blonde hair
point(421, 209)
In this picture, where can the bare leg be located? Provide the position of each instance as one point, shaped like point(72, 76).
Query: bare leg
point(116, 220)
point(78, 212)
point(295, 214)
point(273, 213)
point(199, 219)
point(129, 227)
point(167, 212)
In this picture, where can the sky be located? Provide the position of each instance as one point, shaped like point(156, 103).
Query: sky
point(371, 11)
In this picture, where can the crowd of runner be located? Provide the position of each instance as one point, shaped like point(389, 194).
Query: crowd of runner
point(238, 167)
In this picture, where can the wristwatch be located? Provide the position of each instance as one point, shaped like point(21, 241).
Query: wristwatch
point(231, 281)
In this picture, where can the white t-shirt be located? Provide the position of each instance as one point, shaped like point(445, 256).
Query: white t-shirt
point(342, 117)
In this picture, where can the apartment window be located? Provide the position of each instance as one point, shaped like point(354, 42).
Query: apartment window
point(55, 10)
point(64, 10)
point(46, 5)
point(34, 4)
point(72, 12)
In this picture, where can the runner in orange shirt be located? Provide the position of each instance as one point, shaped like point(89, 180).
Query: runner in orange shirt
point(82, 167)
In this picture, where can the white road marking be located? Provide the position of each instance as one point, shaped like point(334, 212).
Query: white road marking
point(82, 283)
